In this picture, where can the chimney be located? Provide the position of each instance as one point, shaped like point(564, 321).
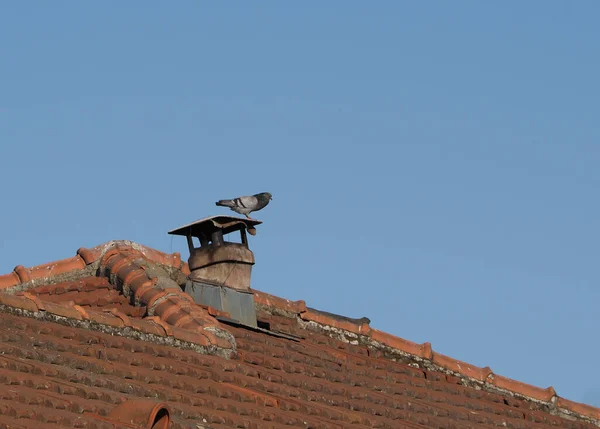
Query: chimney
point(221, 270)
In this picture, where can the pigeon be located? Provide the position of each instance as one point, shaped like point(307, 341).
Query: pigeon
point(247, 205)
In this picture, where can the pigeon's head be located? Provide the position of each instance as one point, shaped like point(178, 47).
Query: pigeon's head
point(266, 195)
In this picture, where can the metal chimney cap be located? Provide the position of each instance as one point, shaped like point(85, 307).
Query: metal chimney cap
point(211, 224)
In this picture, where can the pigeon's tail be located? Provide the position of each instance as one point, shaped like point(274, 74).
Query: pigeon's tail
point(224, 203)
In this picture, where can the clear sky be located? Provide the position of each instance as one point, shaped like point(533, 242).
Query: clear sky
point(434, 165)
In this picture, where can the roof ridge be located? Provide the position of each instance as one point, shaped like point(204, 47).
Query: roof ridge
point(359, 331)
point(84, 258)
point(128, 266)
point(166, 301)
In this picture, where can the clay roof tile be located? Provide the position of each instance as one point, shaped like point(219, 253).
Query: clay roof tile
point(333, 371)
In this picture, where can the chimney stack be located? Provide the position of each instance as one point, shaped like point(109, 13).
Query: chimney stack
point(221, 270)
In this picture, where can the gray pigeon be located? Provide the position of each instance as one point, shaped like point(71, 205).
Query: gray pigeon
point(247, 205)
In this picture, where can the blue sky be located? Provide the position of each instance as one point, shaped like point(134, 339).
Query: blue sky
point(434, 165)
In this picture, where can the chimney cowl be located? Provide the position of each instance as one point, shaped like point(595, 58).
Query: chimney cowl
point(216, 261)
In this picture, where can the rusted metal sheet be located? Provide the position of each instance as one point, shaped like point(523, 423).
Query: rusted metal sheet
point(218, 261)
point(208, 225)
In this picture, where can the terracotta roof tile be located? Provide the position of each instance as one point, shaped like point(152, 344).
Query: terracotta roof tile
point(361, 328)
point(397, 343)
point(86, 284)
point(87, 340)
point(282, 304)
point(463, 368)
point(522, 388)
point(21, 302)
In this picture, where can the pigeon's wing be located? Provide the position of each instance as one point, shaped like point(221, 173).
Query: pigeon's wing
point(245, 202)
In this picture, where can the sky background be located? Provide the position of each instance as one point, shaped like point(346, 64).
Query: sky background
point(434, 165)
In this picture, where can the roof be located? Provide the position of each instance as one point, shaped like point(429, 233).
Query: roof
point(108, 339)
point(210, 224)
